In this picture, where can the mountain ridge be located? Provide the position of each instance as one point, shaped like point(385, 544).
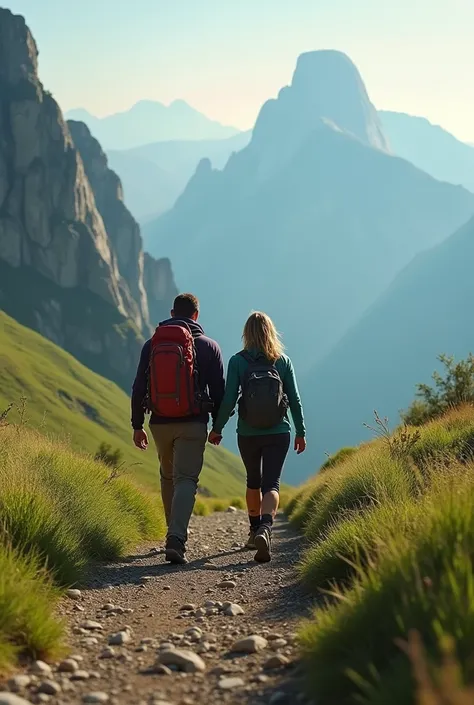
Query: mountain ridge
point(55, 249)
point(395, 345)
point(151, 121)
point(313, 222)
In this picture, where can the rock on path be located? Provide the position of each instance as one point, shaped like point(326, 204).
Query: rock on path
point(150, 634)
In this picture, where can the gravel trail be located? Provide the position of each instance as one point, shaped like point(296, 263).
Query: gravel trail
point(219, 630)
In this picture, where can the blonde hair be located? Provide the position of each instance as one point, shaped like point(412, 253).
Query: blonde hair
point(260, 334)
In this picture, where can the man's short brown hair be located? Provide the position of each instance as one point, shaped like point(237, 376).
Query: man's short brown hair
point(185, 306)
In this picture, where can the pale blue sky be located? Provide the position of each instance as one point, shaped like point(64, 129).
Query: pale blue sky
point(226, 57)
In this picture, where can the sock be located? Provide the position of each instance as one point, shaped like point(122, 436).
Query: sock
point(267, 520)
point(255, 522)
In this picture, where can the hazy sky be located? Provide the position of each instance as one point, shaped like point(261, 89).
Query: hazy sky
point(226, 57)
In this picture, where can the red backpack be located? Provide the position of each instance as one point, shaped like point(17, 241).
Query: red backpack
point(172, 378)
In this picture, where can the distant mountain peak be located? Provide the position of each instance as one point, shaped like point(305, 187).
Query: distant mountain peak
point(326, 87)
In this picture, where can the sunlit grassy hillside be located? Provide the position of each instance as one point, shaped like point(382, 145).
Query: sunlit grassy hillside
point(391, 550)
point(67, 399)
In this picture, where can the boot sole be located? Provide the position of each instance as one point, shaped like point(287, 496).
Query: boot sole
point(172, 556)
point(263, 554)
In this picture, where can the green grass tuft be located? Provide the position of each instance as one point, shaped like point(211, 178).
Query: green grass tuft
point(391, 532)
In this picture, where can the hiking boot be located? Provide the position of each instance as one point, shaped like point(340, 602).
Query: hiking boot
point(175, 550)
point(263, 544)
point(250, 545)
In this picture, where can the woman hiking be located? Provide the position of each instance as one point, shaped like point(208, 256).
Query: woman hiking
point(266, 380)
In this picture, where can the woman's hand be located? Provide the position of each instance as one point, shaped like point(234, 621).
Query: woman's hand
point(214, 438)
point(300, 444)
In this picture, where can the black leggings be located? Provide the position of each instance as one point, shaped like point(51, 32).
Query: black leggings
point(264, 457)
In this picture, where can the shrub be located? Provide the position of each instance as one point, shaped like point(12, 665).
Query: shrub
point(450, 390)
point(110, 457)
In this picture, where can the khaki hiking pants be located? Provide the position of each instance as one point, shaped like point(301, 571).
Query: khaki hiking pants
point(180, 447)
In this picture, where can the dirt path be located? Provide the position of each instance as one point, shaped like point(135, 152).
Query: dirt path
point(150, 597)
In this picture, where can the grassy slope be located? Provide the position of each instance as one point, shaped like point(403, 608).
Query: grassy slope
point(391, 531)
point(69, 400)
point(59, 511)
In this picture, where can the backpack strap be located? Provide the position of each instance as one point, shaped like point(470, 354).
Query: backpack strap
point(246, 355)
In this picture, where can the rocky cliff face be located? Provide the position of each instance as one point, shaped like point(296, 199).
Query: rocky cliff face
point(63, 227)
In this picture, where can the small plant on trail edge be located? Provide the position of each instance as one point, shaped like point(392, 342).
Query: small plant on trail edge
point(451, 389)
point(4, 415)
point(105, 454)
point(400, 443)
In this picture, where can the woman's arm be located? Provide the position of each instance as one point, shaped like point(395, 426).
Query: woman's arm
point(291, 389)
point(229, 401)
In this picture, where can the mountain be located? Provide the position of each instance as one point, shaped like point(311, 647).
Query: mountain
point(68, 400)
point(430, 148)
point(376, 366)
point(71, 259)
point(154, 175)
point(310, 221)
point(150, 121)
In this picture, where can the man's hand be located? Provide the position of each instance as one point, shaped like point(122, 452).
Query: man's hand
point(300, 444)
point(214, 438)
point(140, 439)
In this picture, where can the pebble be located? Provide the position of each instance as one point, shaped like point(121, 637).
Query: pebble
point(108, 652)
point(74, 594)
point(49, 688)
point(167, 587)
point(233, 610)
point(227, 584)
point(68, 666)
point(89, 641)
point(92, 626)
point(11, 699)
point(41, 668)
point(95, 698)
point(119, 638)
point(184, 660)
point(19, 682)
point(194, 634)
point(274, 662)
point(188, 607)
point(278, 644)
point(231, 683)
point(250, 645)
point(80, 676)
point(158, 669)
point(210, 566)
point(107, 607)
point(231, 510)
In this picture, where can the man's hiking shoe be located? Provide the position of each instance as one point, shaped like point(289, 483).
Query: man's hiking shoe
point(251, 540)
point(263, 544)
point(175, 550)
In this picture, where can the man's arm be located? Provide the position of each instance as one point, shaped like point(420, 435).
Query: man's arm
point(216, 380)
point(139, 389)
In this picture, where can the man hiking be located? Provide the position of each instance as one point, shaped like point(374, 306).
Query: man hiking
point(180, 380)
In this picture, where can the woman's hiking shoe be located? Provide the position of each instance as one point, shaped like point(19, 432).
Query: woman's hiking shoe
point(263, 544)
point(175, 550)
point(251, 540)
